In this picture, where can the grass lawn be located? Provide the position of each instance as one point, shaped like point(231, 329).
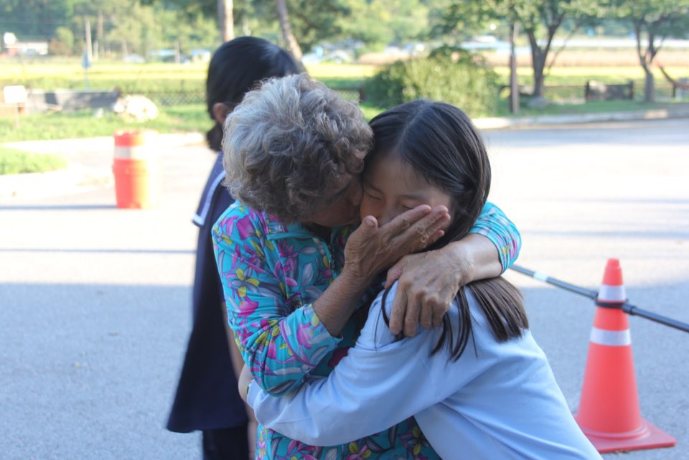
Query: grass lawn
point(193, 118)
point(149, 77)
point(580, 75)
point(17, 162)
point(190, 78)
point(589, 107)
point(84, 124)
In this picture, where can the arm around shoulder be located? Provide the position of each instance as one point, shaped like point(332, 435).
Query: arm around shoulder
point(380, 383)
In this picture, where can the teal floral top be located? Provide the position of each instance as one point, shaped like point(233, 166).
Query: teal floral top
point(271, 274)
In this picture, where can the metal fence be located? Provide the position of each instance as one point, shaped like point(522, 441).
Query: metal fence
point(172, 98)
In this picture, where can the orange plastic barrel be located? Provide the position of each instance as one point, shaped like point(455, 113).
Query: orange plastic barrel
point(136, 170)
point(137, 183)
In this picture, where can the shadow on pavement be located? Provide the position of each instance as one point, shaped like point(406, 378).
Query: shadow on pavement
point(99, 251)
point(65, 207)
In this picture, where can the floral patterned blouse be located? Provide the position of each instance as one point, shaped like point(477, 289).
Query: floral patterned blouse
point(271, 274)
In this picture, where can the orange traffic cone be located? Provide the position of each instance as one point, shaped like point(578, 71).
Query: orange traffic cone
point(137, 170)
point(609, 412)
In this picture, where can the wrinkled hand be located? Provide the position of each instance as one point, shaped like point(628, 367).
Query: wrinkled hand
point(371, 249)
point(428, 283)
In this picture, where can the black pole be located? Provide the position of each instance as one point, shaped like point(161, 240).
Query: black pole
point(624, 306)
point(636, 311)
point(555, 282)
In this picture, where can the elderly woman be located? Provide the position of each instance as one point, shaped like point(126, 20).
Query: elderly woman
point(294, 152)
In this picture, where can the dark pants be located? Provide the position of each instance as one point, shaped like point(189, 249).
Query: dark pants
point(226, 444)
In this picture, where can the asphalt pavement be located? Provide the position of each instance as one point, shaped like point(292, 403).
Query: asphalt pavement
point(95, 300)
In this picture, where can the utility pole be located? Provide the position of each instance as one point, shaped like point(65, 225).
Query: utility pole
point(89, 46)
point(88, 53)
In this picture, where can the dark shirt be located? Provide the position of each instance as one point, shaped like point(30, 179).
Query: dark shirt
point(207, 396)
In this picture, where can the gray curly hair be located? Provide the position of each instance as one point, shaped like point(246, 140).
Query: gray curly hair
point(288, 145)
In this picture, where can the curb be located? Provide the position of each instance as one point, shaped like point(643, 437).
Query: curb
point(76, 177)
point(99, 144)
point(38, 185)
point(532, 122)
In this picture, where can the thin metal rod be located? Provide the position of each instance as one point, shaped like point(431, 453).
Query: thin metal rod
point(664, 320)
point(555, 282)
point(626, 306)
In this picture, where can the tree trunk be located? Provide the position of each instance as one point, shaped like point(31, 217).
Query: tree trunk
point(514, 83)
point(646, 59)
point(537, 64)
point(649, 86)
point(101, 38)
point(287, 35)
point(226, 19)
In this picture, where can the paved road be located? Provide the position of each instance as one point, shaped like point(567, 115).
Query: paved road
point(95, 300)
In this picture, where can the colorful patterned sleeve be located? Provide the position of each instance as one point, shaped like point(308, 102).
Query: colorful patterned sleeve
point(281, 345)
point(494, 225)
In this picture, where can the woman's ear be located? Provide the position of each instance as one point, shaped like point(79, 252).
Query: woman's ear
point(220, 112)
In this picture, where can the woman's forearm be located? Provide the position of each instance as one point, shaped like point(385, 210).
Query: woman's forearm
point(337, 303)
point(476, 257)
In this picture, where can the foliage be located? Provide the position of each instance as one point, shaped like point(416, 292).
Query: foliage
point(118, 26)
point(450, 75)
point(652, 22)
point(17, 162)
point(63, 42)
point(540, 21)
point(140, 26)
point(379, 23)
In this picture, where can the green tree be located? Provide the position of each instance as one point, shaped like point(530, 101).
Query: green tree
point(449, 74)
point(62, 43)
point(539, 21)
point(652, 21)
point(35, 18)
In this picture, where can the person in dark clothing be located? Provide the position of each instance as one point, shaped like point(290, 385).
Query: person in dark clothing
point(207, 397)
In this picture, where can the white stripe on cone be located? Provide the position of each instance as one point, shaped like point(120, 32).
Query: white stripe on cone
point(611, 338)
point(135, 153)
point(612, 293)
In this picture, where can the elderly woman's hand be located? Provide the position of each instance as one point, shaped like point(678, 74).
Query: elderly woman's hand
point(371, 249)
point(428, 282)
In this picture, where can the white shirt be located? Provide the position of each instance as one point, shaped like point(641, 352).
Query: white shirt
point(498, 401)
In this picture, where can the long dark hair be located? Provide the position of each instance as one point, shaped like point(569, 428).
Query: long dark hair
point(442, 145)
point(236, 67)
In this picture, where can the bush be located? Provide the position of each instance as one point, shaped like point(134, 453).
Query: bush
point(17, 162)
point(449, 75)
point(63, 42)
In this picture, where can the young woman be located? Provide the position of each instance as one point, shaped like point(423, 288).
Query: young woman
point(479, 386)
